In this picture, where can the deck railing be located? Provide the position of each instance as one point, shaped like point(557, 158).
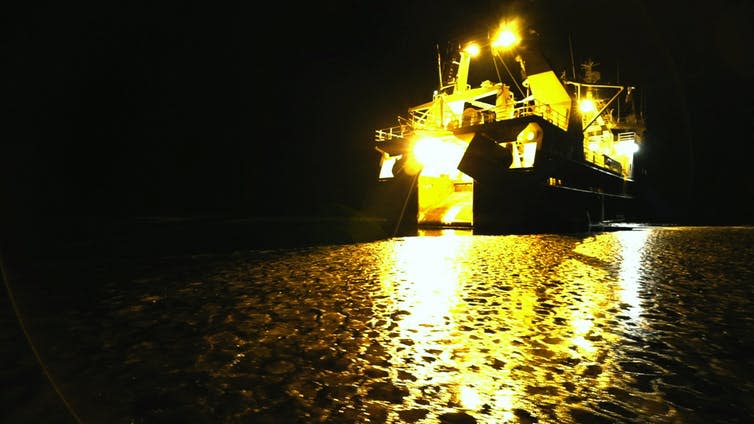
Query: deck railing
point(385, 134)
point(545, 111)
point(421, 119)
point(627, 136)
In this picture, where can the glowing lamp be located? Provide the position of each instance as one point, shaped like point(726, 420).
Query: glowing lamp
point(437, 156)
point(530, 138)
point(531, 134)
point(472, 49)
point(586, 106)
point(505, 39)
point(627, 148)
point(387, 163)
point(424, 150)
point(506, 35)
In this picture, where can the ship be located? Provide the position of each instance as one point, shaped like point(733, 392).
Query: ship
point(532, 153)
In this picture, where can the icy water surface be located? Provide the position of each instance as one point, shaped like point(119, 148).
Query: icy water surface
point(646, 325)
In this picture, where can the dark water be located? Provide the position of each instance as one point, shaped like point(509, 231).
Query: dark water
point(647, 325)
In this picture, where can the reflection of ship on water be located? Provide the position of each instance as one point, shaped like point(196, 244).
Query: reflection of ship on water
point(546, 333)
point(557, 157)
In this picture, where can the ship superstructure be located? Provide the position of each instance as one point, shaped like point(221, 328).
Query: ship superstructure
point(559, 155)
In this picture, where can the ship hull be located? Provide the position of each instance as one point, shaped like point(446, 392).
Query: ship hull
point(526, 204)
point(561, 192)
point(520, 204)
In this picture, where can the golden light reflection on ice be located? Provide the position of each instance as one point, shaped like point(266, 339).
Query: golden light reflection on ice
point(490, 334)
point(430, 287)
point(470, 398)
point(633, 243)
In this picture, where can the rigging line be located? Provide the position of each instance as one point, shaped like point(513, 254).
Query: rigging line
point(520, 90)
point(494, 62)
point(37, 356)
point(439, 68)
point(570, 49)
point(497, 70)
point(405, 203)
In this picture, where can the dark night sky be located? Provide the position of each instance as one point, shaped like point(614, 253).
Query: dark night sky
point(198, 109)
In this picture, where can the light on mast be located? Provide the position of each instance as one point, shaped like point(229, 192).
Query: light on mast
point(506, 36)
point(472, 49)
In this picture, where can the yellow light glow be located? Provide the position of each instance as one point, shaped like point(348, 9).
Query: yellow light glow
point(472, 49)
point(438, 156)
point(431, 286)
point(451, 214)
point(587, 106)
point(412, 166)
point(443, 319)
point(505, 399)
point(532, 133)
point(506, 35)
point(583, 344)
point(525, 150)
point(627, 148)
point(632, 243)
point(490, 357)
point(505, 39)
point(386, 165)
point(470, 399)
point(581, 325)
point(530, 153)
point(423, 149)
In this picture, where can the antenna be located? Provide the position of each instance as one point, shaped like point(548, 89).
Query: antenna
point(570, 49)
point(617, 81)
point(520, 90)
point(439, 68)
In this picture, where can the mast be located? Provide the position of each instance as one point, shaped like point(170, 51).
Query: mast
point(463, 72)
point(439, 68)
point(617, 81)
point(573, 66)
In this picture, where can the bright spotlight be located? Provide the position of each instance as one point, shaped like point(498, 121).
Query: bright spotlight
point(505, 39)
point(438, 155)
point(472, 49)
point(586, 106)
point(506, 36)
point(627, 148)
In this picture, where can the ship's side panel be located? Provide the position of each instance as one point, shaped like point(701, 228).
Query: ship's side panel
point(559, 193)
point(525, 205)
point(395, 201)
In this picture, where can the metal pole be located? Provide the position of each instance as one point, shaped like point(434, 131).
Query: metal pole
point(405, 203)
point(573, 66)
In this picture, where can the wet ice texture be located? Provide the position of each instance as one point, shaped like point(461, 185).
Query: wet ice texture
point(649, 325)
